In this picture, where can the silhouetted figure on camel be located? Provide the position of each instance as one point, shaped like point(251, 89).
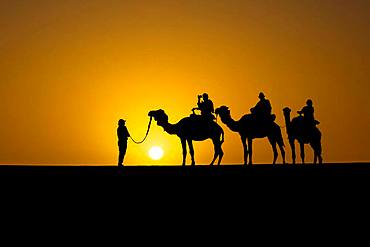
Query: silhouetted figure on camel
point(304, 130)
point(262, 111)
point(193, 128)
point(249, 128)
point(123, 135)
point(206, 107)
point(308, 114)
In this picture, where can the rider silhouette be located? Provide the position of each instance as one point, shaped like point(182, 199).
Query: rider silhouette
point(308, 114)
point(123, 135)
point(262, 110)
point(206, 107)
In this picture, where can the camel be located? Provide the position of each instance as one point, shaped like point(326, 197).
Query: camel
point(248, 131)
point(297, 130)
point(193, 128)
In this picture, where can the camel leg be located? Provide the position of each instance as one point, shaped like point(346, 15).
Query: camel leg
point(245, 149)
point(274, 149)
point(282, 151)
point(280, 143)
point(317, 152)
point(220, 154)
point(315, 156)
point(320, 159)
point(302, 152)
point(191, 150)
point(216, 148)
point(184, 152)
point(292, 146)
point(250, 150)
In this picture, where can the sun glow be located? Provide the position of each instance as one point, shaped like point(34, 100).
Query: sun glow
point(156, 153)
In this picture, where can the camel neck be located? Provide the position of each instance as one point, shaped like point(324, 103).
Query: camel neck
point(230, 122)
point(287, 119)
point(287, 122)
point(169, 128)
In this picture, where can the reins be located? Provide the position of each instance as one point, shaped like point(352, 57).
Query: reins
point(146, 135)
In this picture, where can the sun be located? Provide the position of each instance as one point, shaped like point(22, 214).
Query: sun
point(156, 153)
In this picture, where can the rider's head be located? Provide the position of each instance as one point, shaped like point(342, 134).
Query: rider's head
point(121, 122)
point(205, 96)
point(309, 102)
point(261, 96)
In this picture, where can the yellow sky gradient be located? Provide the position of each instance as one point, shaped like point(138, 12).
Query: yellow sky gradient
point(70, 69)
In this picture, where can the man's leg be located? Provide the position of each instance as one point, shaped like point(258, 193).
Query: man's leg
point(122, 153)
point(120, 159)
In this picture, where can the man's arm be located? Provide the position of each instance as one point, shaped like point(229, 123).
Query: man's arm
point(199, 100)
point(127, 133)
point(269, 107)
point(301, 111)
point(258, 105)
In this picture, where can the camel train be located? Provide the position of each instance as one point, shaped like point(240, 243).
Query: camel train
point(260, 123)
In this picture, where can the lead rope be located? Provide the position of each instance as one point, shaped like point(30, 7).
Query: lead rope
point(146, 135)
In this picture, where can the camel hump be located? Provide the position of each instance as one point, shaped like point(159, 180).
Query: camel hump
point(254, 119)
point(202, 118)
point(201, 122)
point(247, 117)
point(297, 119)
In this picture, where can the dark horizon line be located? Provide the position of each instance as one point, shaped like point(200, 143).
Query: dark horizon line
point(175, 165)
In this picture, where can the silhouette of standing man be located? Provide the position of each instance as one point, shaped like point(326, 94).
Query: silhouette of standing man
point(123, 135)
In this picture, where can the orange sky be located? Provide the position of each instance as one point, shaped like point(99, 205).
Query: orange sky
point(70, 69)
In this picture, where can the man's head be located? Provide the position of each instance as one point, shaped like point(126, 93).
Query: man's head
point(261, 96)
point(205, 96)
point(309, 102)
point(121, 122)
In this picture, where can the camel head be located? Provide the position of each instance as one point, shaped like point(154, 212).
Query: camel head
point(287, 111)
point(223, 111)
point(160, 116)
